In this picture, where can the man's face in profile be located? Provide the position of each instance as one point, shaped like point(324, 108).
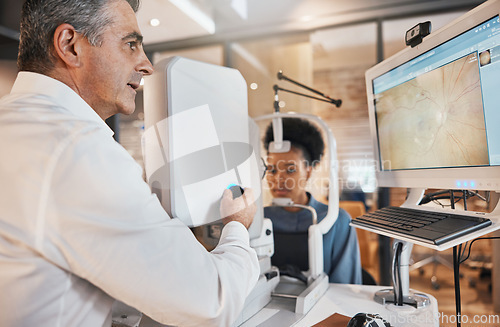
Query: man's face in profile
point(111, 72)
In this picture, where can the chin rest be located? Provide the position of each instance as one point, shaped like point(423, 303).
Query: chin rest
point(291, 254)
point(293, 271)
point(291, 248)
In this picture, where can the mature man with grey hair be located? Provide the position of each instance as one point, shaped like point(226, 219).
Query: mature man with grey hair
point(79, 228)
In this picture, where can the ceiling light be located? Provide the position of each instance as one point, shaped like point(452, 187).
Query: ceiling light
point(154, 22)
point(254, 86)
point(306, 19)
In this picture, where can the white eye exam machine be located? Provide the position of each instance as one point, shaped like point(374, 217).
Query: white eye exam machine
point(199, 139)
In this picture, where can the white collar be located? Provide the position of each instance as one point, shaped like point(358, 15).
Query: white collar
point(60, 93)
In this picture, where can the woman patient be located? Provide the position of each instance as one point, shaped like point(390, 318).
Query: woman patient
point(287, 176)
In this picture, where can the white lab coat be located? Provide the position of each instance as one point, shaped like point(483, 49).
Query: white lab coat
point(80, 228)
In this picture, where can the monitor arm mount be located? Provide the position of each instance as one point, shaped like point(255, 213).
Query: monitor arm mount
point(401, 294)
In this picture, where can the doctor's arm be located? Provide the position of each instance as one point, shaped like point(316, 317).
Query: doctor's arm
point(114, 233)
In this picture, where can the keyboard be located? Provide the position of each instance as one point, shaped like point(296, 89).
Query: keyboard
point(432, 227)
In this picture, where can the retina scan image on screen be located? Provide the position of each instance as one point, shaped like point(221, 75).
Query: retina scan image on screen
point(435, 119)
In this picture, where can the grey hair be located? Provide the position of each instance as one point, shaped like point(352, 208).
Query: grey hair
point(40, 18)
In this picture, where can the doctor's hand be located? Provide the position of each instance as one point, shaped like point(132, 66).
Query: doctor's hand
point(241, 209)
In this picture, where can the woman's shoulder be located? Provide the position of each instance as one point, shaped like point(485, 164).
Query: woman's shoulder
point(344, 214)
point(344, 217)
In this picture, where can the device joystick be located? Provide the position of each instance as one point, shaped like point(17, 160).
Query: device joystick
point(236, 190)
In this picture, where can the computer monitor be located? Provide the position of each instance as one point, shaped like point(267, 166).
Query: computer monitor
point(434, 108)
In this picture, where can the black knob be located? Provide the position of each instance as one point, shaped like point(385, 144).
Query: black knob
point(237, 191)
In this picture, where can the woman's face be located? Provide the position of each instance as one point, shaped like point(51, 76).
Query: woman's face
point(287, 175)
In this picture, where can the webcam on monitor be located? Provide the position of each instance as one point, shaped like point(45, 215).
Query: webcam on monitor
point(416, 34)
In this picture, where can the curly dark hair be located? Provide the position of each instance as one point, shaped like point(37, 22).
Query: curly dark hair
point(302, 135)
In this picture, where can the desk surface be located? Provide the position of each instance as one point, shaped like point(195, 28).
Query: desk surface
point(339, 298)
point(347, 300)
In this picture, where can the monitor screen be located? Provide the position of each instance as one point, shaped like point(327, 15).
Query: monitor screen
point(434, 108)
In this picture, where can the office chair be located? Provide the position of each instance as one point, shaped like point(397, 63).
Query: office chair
point(366, 246)
point(367, 278)
point(435, 259)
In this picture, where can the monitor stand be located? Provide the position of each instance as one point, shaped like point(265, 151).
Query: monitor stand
point(401, 294)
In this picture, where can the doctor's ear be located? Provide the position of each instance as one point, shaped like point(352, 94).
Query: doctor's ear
point(67, 44)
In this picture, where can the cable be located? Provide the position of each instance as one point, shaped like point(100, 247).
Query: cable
point(396, 275)
point(463, 252)
point(435, 196)
point(400, 286)
point(472, 242)
point(456, 273)
point(429, 197)
point(436, 201)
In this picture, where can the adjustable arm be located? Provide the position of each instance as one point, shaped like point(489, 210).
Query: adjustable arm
point(326, 97)
point(333, 101)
